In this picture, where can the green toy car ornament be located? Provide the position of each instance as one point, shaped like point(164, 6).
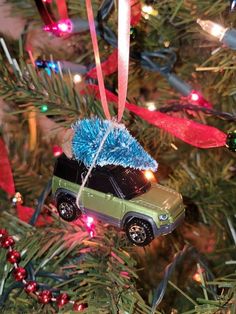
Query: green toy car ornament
point(122, 197)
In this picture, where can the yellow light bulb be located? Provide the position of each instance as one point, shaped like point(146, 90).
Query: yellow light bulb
point(212, 28)
point(149, 175)
point(149, 10)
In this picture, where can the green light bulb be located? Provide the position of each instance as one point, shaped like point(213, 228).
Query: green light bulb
point(44, 108)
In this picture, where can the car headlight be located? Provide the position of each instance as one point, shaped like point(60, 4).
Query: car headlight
point(163, 217)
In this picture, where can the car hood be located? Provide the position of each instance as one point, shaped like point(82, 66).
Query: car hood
point(161, 198)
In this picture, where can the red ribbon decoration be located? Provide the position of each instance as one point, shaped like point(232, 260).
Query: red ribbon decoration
point(109, 66)
point(191, 132)
point(136, 13)
point(6, 177)
point(62, 9)
point(7, 184)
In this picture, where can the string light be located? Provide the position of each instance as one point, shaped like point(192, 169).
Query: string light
point(225, 35)
point(194, 96)
point(212, 28)
point(77, 78)
point(197, 276)
point(233, 5)
point(63, 27)
point(148, 10)
point(151, 105)
point(44, 108)
point(90, 226)
point(57, 151)
point(186, 90)
point(149, 175)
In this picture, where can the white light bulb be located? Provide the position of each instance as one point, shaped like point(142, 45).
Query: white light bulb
point(212, 28)
point(77, 78)
point(151, 106)
point(147, 9)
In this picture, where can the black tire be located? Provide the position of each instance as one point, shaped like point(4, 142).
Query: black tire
point(139, 232)
point(67, 208)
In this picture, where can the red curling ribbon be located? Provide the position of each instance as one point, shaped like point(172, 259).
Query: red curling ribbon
point(191, 132)
point(62, 9)
point(109, 66)
point(97, 59)
point(135, 12)
point(7, 184)
point(124, 12)
point(123, 53)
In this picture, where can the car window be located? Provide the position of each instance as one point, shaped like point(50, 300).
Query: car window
point(102, 183)
point(66, 169)
point(131, 182)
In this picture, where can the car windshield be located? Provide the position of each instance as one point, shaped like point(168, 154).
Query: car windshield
point(131, 182)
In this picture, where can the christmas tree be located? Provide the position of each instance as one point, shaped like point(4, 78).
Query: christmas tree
point(179, 107)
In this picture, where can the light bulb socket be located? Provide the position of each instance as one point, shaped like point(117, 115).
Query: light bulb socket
point(229, 38)
point(73, 67)
point(80, 26)
point(179, 85)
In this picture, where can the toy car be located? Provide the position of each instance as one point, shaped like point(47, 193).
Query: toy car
point(122, 197)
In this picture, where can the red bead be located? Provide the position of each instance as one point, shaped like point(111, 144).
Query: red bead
point(13, 256)
point(7, 241)
point(19, 273)
point(79, 307)
point(31, 286)
point(45, 296)
point(62, 299)
point(3, 233)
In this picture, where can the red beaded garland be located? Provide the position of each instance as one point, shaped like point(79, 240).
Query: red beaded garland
point(3, 233)
point(19, 273)
point(62, 299)
point(13, 256)
point(31, 286)
point(45, 296)
point(7, 241)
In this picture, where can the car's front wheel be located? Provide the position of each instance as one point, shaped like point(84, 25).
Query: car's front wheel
point(139, 232)
point(67, 208)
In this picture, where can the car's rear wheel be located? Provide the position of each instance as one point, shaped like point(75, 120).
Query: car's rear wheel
point(139, 232)
point(67, 208)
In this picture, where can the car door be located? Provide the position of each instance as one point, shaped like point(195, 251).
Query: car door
point(100, 199)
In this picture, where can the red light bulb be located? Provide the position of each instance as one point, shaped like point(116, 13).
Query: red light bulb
point(197, 98)
point(57, 151)
point(61, 28)
point(194, 96)
point(65, 26)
